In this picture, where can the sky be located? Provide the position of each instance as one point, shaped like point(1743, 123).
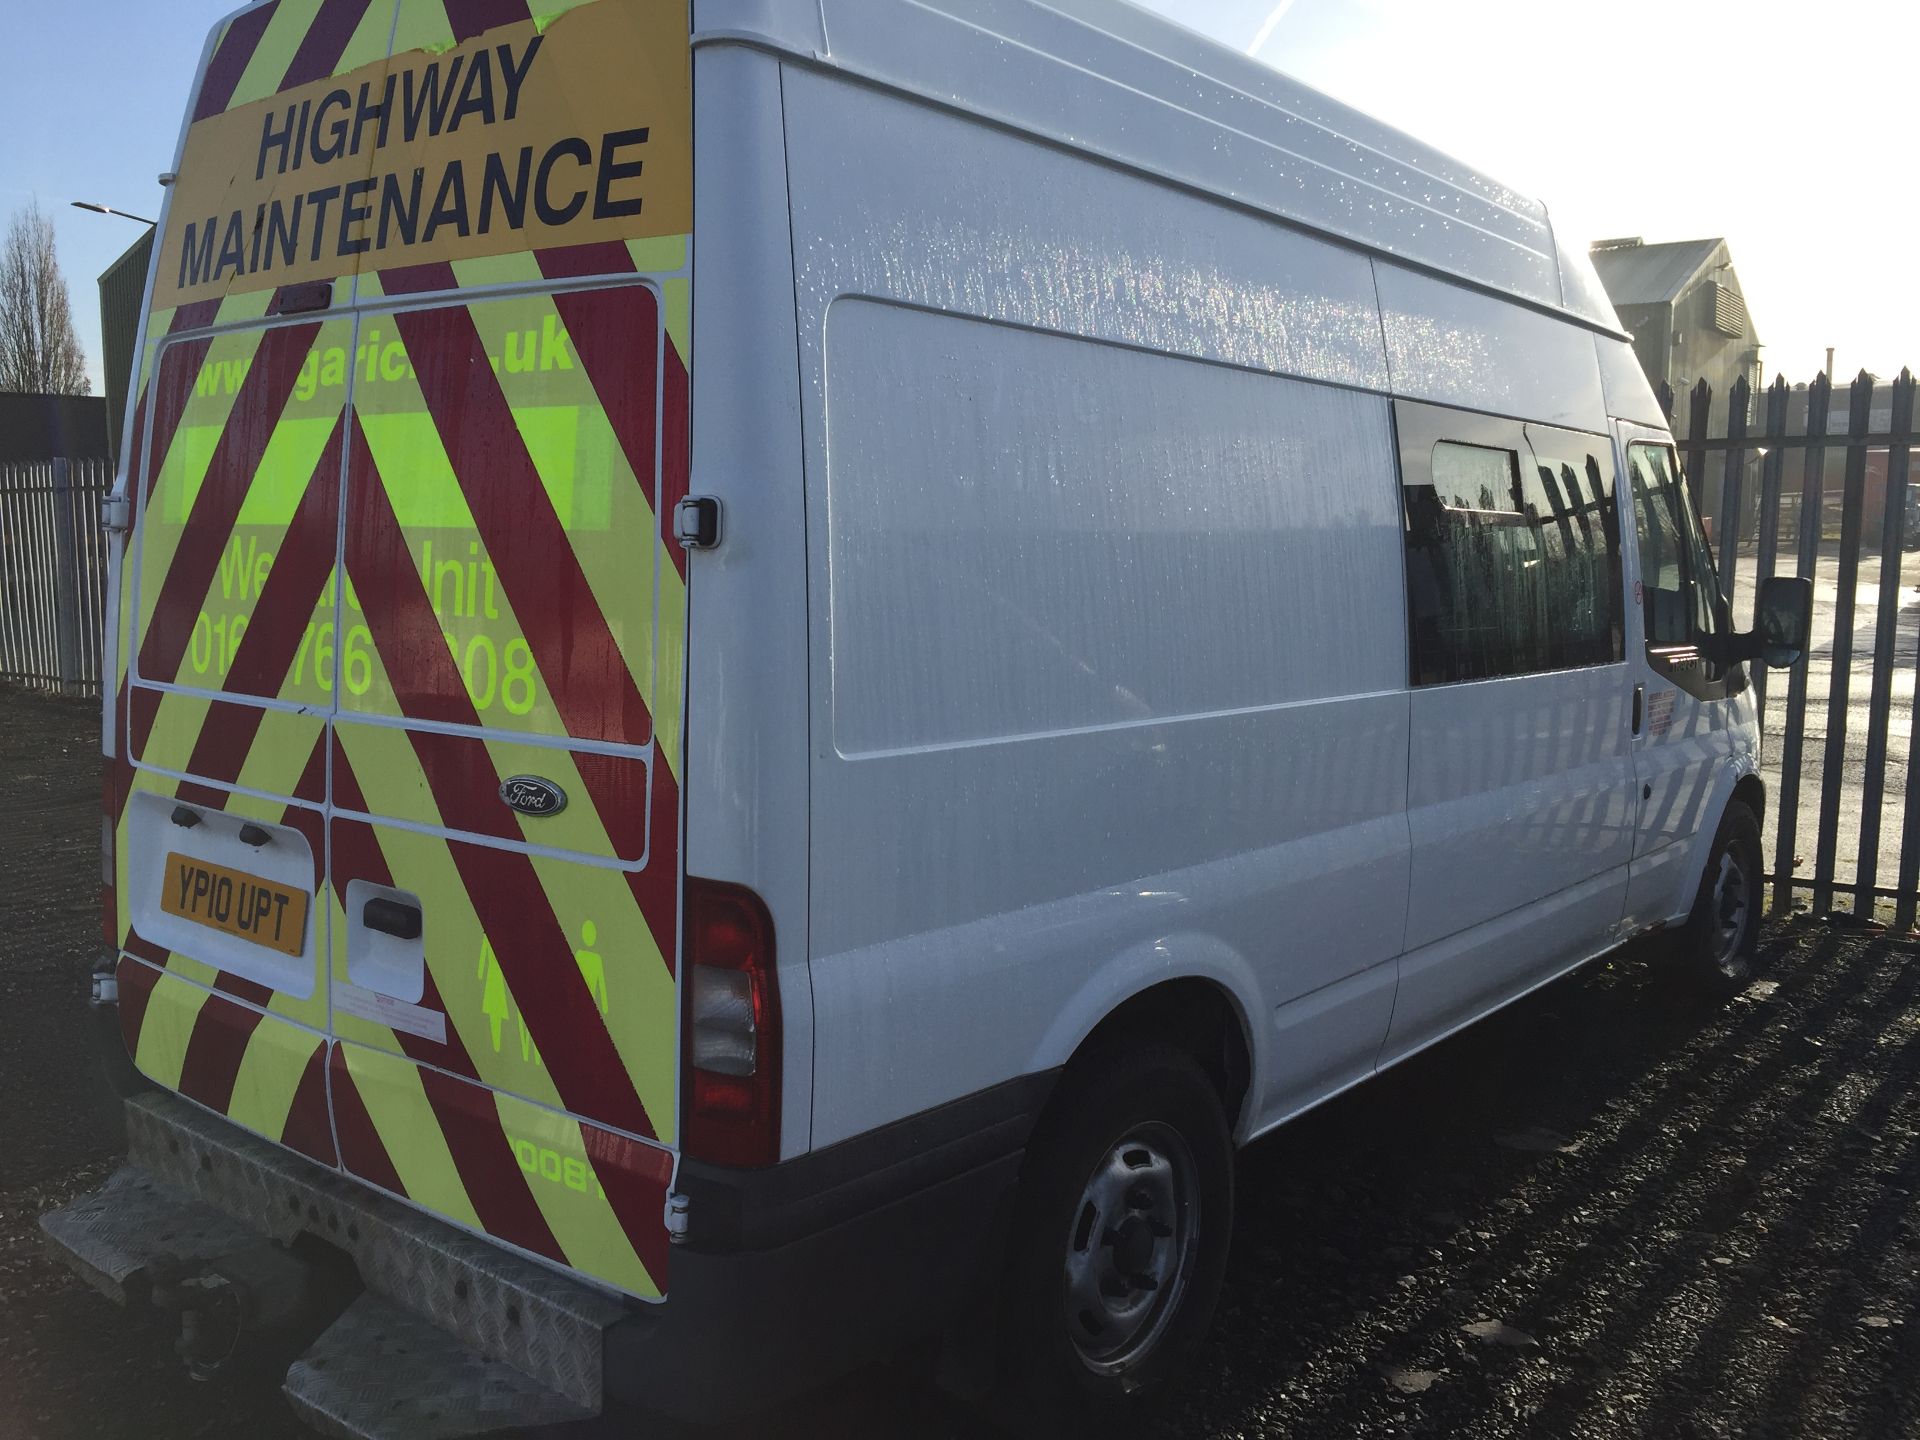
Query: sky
point(1667, 119)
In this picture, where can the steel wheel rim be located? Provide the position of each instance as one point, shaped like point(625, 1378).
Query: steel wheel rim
point(1130, 1247)
point(1732, 909)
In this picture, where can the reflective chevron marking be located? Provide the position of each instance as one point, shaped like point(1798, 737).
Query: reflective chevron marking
point(232, 53)
point(215, 503)
point(550, 442)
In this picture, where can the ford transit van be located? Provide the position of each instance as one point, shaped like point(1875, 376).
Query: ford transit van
point(779, 667)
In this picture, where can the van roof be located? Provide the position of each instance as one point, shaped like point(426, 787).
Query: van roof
point(1106, 77)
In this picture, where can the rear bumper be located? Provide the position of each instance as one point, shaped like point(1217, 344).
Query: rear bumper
point(790, 1276)
point(794, 1275)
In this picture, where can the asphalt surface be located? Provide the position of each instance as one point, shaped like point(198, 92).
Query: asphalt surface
point(1624, 1207)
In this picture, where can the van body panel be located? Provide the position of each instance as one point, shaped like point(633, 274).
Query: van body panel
point(1629, 396)
point(1685, 779)
point(1038, 237)
point(1447, 986)
point(1521, 789)
point(985, 697)
point(1116, 82)
point(401, 636)
point(1581, 292)
point(748, 724)
point(1324, 1043)
point(1451, 346)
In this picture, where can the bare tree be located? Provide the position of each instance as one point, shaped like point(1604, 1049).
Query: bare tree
point(39, 353)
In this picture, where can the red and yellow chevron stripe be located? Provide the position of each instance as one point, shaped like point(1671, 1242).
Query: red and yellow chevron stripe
point(389, 554)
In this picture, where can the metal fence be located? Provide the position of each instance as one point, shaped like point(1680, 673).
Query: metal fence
point(53, 573)
point(1795, 485)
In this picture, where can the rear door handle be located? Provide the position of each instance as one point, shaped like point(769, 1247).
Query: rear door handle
point(1639, 707)
point(390, 917)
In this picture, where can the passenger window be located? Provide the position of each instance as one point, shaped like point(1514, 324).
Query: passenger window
point(1679, 593)
point(1513, 564)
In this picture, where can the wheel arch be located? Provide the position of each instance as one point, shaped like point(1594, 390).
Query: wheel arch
point(1737, 780)
point(1202, 1001)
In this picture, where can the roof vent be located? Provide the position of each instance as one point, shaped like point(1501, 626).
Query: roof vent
point(1729, 310)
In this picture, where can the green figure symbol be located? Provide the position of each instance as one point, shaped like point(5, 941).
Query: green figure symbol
point(593, 969)
point(496, 1006)
point(493, 994)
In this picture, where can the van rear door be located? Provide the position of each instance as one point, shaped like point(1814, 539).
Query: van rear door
point(403, 638)
point(224, 717)
point(504, 830)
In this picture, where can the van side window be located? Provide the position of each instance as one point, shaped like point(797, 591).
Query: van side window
point(1673, 556)
point(1577, 474)
point(1513, 563)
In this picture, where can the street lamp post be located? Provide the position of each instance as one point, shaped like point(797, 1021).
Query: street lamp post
point(109, 210)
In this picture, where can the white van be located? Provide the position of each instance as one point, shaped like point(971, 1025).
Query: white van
point(1161, 598)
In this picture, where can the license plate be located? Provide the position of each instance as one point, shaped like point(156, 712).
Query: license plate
point(235, 903)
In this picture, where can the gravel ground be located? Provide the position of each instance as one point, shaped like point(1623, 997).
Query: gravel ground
point(1621, 1208)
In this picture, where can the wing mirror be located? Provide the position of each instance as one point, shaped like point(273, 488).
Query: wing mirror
point(1783, 622)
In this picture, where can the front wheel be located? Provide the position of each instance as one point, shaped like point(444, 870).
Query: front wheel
point(1723, 932)
point(1120, 1239)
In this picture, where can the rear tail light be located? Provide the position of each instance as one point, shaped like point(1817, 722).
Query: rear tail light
point(732, 1041)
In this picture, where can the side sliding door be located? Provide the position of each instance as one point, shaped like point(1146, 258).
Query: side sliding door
point(1520, 766)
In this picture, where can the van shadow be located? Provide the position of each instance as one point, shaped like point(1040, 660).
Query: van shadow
point(1692, 1213)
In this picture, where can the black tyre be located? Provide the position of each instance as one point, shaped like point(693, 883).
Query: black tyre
point(1723, 932)
point(1120, 1238)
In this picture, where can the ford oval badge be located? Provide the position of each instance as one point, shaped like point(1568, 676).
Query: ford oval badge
point(531, 795)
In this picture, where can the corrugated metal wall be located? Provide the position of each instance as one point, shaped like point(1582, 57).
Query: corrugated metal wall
point(122, 287)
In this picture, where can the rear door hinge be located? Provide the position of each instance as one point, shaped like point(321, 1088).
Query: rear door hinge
point(116, 513)
point(676, 1217)
point(696, 522)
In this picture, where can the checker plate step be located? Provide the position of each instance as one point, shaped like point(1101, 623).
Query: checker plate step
point(382, 1373)
point(115, 1237)
point(544, 1324)
point(453, 1336)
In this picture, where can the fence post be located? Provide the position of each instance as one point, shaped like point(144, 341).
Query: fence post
point(1886, 627)
point(1698, 414)
point(1812, 493)
point(66, 579)
point(1833, 768)
point(1732, 478)
point(1772, 469)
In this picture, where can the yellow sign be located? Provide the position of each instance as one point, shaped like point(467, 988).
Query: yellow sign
point(531, 136)
point(236, 903)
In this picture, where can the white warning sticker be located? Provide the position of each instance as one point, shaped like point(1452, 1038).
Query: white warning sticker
point(1660, 712)
point(392, 1013)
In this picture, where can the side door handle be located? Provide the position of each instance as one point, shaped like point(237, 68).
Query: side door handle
point(390, 917)
point(1639, 708)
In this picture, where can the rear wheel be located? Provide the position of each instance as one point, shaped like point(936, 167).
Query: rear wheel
point(1723, 932)
point(1120, 1236)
